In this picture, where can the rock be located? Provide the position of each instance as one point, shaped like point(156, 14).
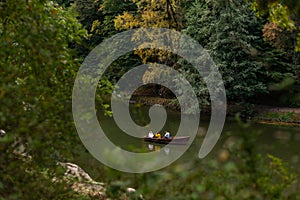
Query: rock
point(84, 184)
point(90, 189)
point(75, 171)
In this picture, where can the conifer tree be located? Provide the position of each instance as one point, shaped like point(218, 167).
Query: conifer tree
point(230, 31)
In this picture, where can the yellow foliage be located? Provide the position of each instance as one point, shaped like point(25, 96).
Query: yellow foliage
point(154, 74)
point(280, 18)
point(150, 14)
point(126, 21)
point(280, 15)
point(95, 25)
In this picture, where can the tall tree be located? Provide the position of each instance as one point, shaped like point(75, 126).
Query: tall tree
point(152, 14)
point(37, 74)
point(97, 17)
point(155, 14)
point(230, 31)
point(282, 30)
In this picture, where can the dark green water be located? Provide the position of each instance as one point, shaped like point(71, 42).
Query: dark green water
point(282, 142)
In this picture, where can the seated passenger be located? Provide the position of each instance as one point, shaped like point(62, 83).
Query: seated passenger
point(157, 135)
point(167, 135)
point(150, 134)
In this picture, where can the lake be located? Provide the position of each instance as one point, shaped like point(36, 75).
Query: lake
point(280, 141)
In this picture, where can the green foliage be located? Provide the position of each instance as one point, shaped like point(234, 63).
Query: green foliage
point(250, 66)
point(40, 42)
point(281, 75)
point(282, 31)
point(230, 31)
point(110, 10)
point(24, 180)
point(98, 18)
point(87, 13)
point(66, 3)
point(276, 172)
point(283, 13)
point(282, 117)
point(37, 73)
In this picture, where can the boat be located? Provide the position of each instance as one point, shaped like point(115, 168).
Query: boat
point(171, 140)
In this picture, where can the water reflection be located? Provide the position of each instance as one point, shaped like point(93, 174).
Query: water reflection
point(167, 150)
point(153, 147)
point(150, 146)
point(284, 136)
point(297, 136)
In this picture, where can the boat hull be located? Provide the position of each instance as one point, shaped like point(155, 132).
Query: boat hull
point(172, 140)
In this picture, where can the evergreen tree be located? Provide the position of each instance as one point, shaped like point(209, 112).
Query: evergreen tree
point(230, 31)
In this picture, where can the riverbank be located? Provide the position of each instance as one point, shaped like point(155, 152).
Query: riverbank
point(258, 113)
point(277, 115)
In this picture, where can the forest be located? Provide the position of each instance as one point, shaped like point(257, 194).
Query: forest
point(254, 43)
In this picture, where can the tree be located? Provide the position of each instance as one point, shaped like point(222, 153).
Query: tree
point(152, 14)
point(110, 10)
point(284, 14)
point(230, 31)
point(98, 18)
point(66, 3)
point(37, 73)
point(282, 30)
point(155, 14)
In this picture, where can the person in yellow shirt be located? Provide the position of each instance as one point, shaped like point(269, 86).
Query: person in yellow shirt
point(157, 135)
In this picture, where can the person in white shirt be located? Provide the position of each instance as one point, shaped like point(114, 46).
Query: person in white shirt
point(150, 134)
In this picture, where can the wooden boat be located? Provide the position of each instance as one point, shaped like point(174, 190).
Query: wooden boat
point(172, 140)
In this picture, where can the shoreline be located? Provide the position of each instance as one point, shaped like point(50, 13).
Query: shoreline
point(263, 114)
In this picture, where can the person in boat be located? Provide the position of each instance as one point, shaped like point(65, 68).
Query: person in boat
point(167, 135)
point(151, 134)
point(157, 135)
